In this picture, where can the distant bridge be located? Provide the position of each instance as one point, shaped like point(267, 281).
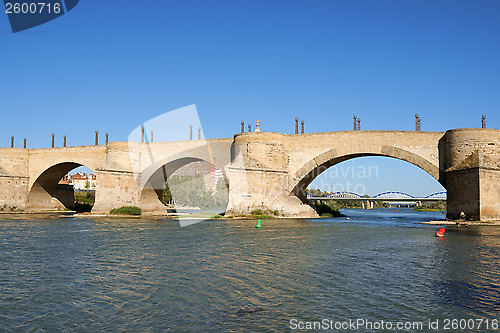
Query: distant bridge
point(391, 196)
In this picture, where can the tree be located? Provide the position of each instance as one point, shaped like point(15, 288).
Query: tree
point(192, 191)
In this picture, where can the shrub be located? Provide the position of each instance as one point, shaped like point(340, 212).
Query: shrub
point(264, 213)
point(7, 208)
point(126, 210)
point(83, 207)
point(257, 212)
point(326, 211)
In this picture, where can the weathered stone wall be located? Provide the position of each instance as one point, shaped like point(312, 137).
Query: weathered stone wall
point(266, 170)
point(40, 160)
point(65, 194)
point(14, 161)
point(463, 193)
point(134, 173)
point(271, 170)
point(490, 194)
point(14, 177)
point(472, 162)
point(311, 154)
point(115, 188)
point(14, 191)
point(258, 176)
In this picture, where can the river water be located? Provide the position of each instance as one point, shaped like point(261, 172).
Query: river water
point(63, 274)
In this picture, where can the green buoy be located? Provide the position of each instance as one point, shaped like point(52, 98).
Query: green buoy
point(258, 224)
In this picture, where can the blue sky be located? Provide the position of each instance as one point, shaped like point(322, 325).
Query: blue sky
point(111, 65)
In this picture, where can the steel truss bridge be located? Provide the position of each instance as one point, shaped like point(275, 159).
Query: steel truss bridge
point(391, 196)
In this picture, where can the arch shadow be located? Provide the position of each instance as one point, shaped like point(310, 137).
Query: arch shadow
point(47, 194)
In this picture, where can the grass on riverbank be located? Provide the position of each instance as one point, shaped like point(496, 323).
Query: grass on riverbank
point(264, 214)
point(324, 210)
point(10, 209)
point(426, 209)
point(126, 210)
point(84, 201)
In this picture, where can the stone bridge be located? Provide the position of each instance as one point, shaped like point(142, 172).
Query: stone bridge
point(265, 170)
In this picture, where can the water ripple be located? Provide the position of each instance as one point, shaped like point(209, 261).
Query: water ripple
point(107, 275)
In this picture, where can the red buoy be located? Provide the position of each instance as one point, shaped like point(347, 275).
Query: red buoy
point(440, 232)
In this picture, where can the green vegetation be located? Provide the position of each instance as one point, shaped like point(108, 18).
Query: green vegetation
point(326, 209)
point(83, 207)
point(84, 201)
point(191, 191)
point(431, 206)
point(425, 209)
point(336, 205)
point(344, 204)
point(126, 210)
point(7, 208)
point(264, 213)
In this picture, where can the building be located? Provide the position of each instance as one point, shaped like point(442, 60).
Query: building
point(210, 173)
point(80, 181)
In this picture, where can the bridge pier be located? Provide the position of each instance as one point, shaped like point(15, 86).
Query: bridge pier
point(117, 182)
point(15, 193)
point(258, 177)
point(51, 197)
point(115, 188)
point(472, 171)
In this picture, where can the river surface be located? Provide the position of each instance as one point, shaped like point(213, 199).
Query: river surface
point(65, 274)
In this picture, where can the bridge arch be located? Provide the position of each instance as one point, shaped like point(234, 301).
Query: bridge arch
point(392, 194)
point(152, 180)
point(45, 192)
point(301, 178)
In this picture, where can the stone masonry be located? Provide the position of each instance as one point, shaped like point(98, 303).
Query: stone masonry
point(268, 171)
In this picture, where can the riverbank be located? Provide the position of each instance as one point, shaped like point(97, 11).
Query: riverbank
point(177, 215)
point(30, 212)
point(468, 223)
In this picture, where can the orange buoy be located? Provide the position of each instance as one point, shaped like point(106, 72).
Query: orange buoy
point(348, 219)
point(440, 233)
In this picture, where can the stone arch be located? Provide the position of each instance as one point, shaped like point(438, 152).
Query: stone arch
point(45, 192)
point(153, 178)
point(315, 166)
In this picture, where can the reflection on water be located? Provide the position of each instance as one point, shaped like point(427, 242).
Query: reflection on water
point(225, 275)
